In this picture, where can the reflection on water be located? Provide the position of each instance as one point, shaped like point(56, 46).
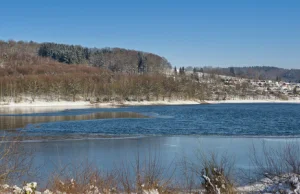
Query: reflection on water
point(109, 154)
point(15, 122)
point(27, 110)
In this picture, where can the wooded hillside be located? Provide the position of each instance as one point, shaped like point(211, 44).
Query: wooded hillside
point(73, 73)
point(25, 74)
point(114, 59)
point(259, 72)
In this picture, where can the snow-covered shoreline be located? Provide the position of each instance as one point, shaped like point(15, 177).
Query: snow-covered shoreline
point(252, 101)
point(45, 104)
point(286, 183)
point(84, 104)
point(160, 102)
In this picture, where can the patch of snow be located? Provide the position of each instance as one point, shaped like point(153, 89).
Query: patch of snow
point(160, 102)
point(286, 184)
point(152, 191)
point(297, 101)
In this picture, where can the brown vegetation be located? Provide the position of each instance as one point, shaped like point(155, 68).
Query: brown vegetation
point(23, 74)
point(147, 175)
point(105, 75)
point(15, 162)
point(212, 173)
point(277, 161)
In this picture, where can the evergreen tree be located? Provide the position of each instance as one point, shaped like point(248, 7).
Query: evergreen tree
point(115, 59)
point(232, 72)
point(142, 66)
point(175, 70)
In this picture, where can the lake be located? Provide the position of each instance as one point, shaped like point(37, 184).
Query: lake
point(217, 119)
point(107, 137)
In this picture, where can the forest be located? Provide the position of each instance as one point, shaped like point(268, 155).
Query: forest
point(114, 59)
point(259, 73)
point(58, 72)
point(28, 69)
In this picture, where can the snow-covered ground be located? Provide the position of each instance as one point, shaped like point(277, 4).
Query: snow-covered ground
point(79, 104)
point(84, 104)
point(45, 104)
point(172, 102)
point(286, 184)
point(253, 101)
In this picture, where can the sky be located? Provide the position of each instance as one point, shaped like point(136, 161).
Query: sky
point(188, 32)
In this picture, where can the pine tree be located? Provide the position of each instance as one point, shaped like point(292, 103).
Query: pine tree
point(232, 71)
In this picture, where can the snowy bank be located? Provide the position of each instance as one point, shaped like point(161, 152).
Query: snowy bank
point(171, 102)
point(45, 104)
point(84, 104)
point(252, 101)
point(31, 188)
point(285, 184)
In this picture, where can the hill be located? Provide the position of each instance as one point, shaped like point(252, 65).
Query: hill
point(114, 59)
point(31, 72)
point(259, 72)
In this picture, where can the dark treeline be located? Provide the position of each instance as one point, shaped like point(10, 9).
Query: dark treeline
point(24, 74)
point(114, 59)
point(259, 72)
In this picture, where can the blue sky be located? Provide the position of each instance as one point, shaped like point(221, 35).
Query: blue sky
point(188, 32)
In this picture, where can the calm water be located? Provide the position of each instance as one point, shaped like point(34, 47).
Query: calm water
point(171, 132)
point(110, 154)
point(222, 119)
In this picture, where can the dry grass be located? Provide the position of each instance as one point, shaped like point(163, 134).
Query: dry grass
point(83, 178)
point(277, 161)
point(139, 177)
point(15, 162)
point(147, 175)
point(211, 174)
point(216, 175)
